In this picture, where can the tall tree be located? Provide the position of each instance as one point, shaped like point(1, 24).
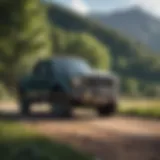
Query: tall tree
point(24, 36)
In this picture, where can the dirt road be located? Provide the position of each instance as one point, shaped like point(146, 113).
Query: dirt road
point(114, 138)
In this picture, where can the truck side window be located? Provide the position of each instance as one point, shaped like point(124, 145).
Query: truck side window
point(40, 70)
point(49, 70)
point(43, 70)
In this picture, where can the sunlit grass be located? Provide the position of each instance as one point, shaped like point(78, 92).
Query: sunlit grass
point(17, 143)
point(140, 107)
point(139, 102)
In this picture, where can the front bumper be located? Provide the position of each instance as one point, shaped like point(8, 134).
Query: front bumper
point(94, 98)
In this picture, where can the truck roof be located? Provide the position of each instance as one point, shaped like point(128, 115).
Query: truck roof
point(67, 57)
point(61, 57)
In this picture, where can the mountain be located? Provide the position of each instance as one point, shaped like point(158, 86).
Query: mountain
point(130, 59)
point(135, 23)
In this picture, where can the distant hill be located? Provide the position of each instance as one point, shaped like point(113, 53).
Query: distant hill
point(135, 23)
point(131, 60)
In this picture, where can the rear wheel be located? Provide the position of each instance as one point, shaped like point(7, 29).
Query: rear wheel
point(24, 103)
point(107, 110)
point(61, 103)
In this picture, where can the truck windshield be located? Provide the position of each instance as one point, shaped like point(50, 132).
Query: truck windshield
point(73, 65)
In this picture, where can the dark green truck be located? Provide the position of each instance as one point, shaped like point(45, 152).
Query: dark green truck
point(68, 82)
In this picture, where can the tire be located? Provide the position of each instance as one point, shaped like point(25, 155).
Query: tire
point(24, 103)
point(25, 108)
point(107, 110)
point(61, 105)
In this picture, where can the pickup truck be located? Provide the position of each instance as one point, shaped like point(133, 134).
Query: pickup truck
point(66, 83)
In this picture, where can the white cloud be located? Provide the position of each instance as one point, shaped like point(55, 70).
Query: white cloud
point(152, 6)
point(79, 6)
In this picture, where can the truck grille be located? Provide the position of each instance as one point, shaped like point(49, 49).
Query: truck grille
point(99, 82)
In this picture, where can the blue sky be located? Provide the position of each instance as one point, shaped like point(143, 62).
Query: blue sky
point(84, 6)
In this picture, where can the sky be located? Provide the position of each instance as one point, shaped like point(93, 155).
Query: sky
point(85, 6)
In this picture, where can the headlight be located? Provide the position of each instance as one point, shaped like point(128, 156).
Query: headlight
point(76, 81)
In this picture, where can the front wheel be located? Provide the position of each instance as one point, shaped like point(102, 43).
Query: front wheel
point(25, 107)
point(107, 110)
point(23, 102)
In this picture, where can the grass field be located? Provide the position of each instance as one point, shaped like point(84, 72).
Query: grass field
point(140, 107)
point(16, 143)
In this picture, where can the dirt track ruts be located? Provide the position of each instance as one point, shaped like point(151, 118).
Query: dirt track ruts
point(114, 138)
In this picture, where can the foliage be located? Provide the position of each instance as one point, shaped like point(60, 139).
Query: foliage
point(23, 34)
point(142, 112)
point(132, 86)
point(3, 91)
point(142, 107)
point(81, 45)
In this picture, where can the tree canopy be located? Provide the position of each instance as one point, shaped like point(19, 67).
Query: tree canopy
point(82, 45)
point(23, 37)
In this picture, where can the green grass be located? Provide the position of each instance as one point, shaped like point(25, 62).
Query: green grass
point(141, 112)
point(140, 107)
point(17, 143)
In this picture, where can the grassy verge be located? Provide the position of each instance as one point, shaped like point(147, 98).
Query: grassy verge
point(16, 143)
point(141, 112)
point(140, 107)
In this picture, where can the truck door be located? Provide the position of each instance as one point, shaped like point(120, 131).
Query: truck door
point(41, 77)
